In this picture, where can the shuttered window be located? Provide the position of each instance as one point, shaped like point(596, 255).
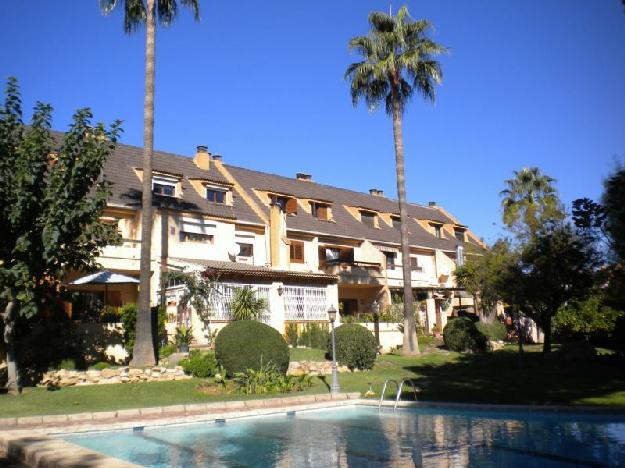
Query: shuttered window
point(297, 251)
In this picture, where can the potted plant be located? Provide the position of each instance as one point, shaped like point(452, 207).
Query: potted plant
point(184, 336)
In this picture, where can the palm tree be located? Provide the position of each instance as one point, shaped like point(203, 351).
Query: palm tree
point(136, 13)
point(398, 59)
point(245, 305)
point(529, 200)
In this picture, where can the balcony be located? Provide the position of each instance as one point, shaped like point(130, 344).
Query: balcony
point(128, 249)
point(353, 271)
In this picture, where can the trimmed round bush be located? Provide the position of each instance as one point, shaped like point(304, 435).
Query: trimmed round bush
point(495, 331)
point(356, 347)
point(247, 344)
point(461, 334)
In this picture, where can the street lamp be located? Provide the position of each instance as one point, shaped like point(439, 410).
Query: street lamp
point(335, 388)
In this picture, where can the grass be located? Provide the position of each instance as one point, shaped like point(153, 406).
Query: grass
point(442, 376)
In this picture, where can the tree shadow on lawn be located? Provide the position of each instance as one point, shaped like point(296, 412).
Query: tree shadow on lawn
point(543, 379)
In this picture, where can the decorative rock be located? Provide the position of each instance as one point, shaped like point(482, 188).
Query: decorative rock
point(65, 378)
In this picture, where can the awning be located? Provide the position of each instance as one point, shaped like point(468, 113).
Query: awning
point(197, 226)
point(105, 277)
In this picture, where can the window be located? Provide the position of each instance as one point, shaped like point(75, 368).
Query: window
point(333, 255)
point(368, 218)
point(245, 249)
point(390, 260)
point(320, 211)
point(414, 264)
point(396, 222)
point(215, 195)
point(459, 233)
point(286, 204)
point(169, 190)
point(195, 237)
point(297, 251)
point(437, 231)
point(162, 185)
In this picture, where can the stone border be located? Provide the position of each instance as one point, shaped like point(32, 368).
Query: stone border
point(495, 407)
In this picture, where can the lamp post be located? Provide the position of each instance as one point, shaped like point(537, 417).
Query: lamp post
point(334, 387)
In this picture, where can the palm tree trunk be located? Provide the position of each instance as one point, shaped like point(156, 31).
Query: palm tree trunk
point(10, 312)
point(143, 353)
point(410, 346)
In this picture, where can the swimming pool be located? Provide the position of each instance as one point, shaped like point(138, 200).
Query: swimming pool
point(360, 435)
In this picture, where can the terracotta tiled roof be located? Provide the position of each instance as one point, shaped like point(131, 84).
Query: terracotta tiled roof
point(344, 224)
point(230, 270)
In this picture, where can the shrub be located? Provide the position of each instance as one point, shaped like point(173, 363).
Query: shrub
point(67, 364)
point(495, 331)
point(247, 344)
point(128, 316)
point(268, 379)
point(314, 336)
point(356, 347)
point(167, 350)
point(461, 334)
point(245, 305)
point(199, 364)
point(291, 334)
point(100, 365)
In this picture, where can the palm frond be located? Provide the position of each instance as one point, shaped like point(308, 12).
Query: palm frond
point(107, 6)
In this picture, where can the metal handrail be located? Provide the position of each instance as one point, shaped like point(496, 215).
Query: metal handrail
point(384, 390)
point(401, 386)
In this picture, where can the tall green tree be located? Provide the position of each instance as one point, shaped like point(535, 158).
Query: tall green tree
point(481, 276)
point(613, 202)
point(556, 267)
point(136, 14)
point(51, 201)
point(530, 200)
point(398, 60)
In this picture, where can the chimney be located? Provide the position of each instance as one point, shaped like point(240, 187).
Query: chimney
point(303, 176)
point(376, 192)
point(432, 203)
point(216, 157)
point(202, 157)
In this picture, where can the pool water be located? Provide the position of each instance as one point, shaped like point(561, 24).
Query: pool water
point(362, 436)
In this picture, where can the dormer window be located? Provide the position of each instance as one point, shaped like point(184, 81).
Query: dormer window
point(438, 232)
point(165, 186)
point(396, 220)
point(216, 195)
point(368, 219)
point(320, 210)
point(459, 234)
point(286, 204)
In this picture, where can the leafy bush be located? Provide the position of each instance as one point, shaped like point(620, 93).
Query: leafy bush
point(269, 379)
point(245, 305)
point(247, 344)
point(356, 347)
point(314, 336)
point(167, 350)
point(291, 334)
point(184, 336)
point(67, 364)
point(100, 365)
point(199, 364)
point(128, 316)
point(495, 331)
point(461, 334)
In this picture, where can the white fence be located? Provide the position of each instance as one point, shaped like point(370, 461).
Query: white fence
point(305, 303)
point(221, 300)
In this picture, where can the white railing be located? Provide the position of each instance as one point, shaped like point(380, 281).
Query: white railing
point(221, 300)
point(305, 303)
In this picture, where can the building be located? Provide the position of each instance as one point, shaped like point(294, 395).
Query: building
point(303, 246)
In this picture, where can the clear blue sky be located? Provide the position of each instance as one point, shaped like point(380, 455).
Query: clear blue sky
point(528, 82)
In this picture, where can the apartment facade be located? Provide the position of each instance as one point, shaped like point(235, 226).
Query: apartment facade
point(301, 245)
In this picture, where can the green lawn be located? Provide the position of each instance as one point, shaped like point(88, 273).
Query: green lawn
point(443, 376)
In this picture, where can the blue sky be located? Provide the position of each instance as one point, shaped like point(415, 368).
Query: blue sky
point(528, 82)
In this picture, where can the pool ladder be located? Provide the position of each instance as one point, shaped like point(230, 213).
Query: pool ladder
point(399, 387)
